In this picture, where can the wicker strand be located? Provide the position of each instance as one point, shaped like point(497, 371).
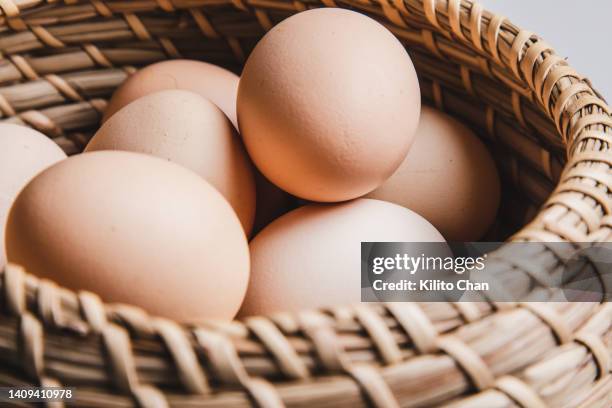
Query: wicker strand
point(527, 388)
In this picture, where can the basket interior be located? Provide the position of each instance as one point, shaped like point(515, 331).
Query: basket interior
point(57, 79)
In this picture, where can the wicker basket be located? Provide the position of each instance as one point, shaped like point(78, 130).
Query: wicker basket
point(549, 131)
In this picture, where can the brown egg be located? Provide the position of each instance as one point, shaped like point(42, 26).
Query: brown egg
point(217, 84)
point(448, 177)
point(24, 153)
point(133, 228)
point(187, 129)
point(311, 257)
point(327, 104)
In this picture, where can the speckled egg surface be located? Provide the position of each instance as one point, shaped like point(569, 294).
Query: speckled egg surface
point(328, 103)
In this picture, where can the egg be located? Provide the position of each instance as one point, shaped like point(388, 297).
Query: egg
point(187, 129)
point(133, 228)
point(311, 257)
point(24, 152)
point(328, 103)
point(448, 177)
point(212, 82)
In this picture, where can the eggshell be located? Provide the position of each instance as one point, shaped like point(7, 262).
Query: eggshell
point(311, 257)
point(24, 153)
point(217, 84)
point(448, 177)
point(328, 103)
point(133, 228)
point(187, 129)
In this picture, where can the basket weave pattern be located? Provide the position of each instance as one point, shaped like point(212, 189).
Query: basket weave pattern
point(550, 132)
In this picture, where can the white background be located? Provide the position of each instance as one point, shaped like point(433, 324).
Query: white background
point(578, 29)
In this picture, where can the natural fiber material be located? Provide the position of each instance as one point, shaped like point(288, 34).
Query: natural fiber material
point(549, 130)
